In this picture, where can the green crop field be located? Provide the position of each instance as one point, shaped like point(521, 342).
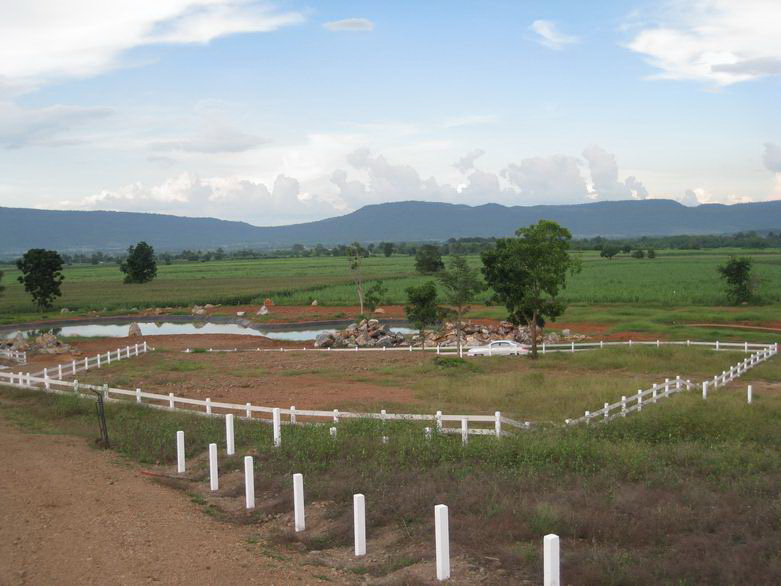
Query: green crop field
point(674, 278)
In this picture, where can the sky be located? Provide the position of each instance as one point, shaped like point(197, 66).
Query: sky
point(275, 112)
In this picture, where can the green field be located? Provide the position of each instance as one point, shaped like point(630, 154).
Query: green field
point(674, 278)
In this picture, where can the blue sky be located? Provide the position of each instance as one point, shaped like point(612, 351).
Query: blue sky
point(277, 112)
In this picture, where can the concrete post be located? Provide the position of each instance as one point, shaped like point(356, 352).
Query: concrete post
point(214, 479)
point(180, 464)
point(230, 442)
point(277, 427)
point(442, 542)
point(298, 502)
point(138, 395)
point(208, 406)
point(464, 431)
point(748, 395)
point(359, 521)
point(171, 401)
point(249, 410)
point(498, 424)
point(551, 565)
point(249, 483)
point(292, 414)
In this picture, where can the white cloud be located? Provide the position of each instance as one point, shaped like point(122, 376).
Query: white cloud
point(700, 195)
point(215, 139)
point(467, 162)
point(716, 41)
point(49, 40)
point(350, 24)
point(469, 120)
point(772, 157)
point(604, 176)
point(49, 126)
point(232, 198)
point(552, 179)
point(550, 36)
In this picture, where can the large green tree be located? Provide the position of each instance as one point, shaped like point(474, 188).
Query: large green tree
point(461, 284)
point(528, 272)
point(422, 309)
point(140, 266)
point(428, 259)
point(737, 276)
point(41, 275)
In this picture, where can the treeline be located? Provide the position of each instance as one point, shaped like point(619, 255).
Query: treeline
point(473, 245)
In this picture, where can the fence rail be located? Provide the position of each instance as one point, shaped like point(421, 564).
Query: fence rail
point(15, 355)
point(71, 368)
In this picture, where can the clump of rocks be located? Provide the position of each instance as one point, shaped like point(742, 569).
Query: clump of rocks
point(480, 334)
point(46, 343)
point(368, 333)
point(134, 331)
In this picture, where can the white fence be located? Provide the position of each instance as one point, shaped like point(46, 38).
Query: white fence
point(97, 361)
point(16, 356)
point(659, 391)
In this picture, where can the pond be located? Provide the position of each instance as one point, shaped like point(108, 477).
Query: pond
point(148, 328)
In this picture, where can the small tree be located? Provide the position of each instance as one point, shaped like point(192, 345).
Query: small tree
point(374, 295)
point(638, 253)
point(461, 284)
point(422, 309)
point(1, 279)
point(527, 273)
point(651, 253)
point(609, 251)
point(355, 254)
point(140, 266)
point(737, 275)
point(388, 248)
point(41, 275)
point(428, 259)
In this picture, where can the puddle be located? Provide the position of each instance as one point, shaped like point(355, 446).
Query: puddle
point(167, 328)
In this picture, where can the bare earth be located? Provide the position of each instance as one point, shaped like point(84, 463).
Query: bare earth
point(74, 515)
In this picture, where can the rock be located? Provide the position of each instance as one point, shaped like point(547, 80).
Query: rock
point(209, 306)
point(379, 310)
point(134, 330)
point(373, 323)
point(566, 333)
point(244, 323)
point(268, 303)
point(314, 302)
point(263, 310)
point(362, 340)
point(240, 313)
point(198, 310)
point(20, 343)
point(385, 341)
point(65, 310)
point(325, 340)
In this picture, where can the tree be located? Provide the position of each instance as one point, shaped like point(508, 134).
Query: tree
point(41, 275)
point(1, 279)
point(461, 284)
point(422, 309)
point(527, 273)
point(374, 295)
point(428, 259)
point(609, 251)
point(355, 254)
point(651, 253)
point(387, 248)
point(140, 266)
point(737, 275)
point(638, 253)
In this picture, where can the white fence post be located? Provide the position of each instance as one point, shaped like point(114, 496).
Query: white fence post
point(292, 414)
point(438, 418)
point(214, 479)
point(180, 466)
point(498, 424)
point(46, 378)
point(248, 406)
point(705, 390)
point(277, 427)
point(332, 431)
point(551, 567)
point(98, 357)
point(748, 395)
point(59, 371)
point(249, 483)
point(86, 364)
point(464, 430)
point(298, 502)
point(108, 357)
point(442, 541)
point(427, 432)
point(170, 400)
point(73, 367)
point(605, 409)
point(208, 406)
point(336, 415)
point(359, 522)
point(230, 442)
point(623, 405)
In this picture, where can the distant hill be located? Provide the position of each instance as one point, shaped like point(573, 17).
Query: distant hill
point(22, 228)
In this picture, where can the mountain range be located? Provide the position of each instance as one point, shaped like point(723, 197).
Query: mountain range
point(22, 228)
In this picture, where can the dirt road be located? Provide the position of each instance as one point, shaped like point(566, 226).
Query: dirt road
point(70, 514)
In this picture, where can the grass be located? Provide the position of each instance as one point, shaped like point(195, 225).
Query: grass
point(637, 501)
point(674, 278)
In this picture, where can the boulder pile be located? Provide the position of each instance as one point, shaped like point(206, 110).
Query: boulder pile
point(366, 334)
point(46, 343)
point(479, 334)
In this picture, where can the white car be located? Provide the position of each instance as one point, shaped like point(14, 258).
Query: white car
point(499, 348)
